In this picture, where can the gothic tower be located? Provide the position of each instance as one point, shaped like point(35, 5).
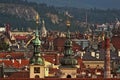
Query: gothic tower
point(37, 69)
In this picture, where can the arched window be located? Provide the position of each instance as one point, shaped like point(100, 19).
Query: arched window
point(68, 76)
point(37, 76)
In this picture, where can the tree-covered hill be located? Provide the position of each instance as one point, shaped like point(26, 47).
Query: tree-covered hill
point(21, 13)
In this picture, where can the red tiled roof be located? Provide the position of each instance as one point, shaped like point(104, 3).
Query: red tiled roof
point(50, 38)
point(22, 74)
point(14, 55)
point(59, 43)
point(52, 58)
point(15, 63)
point(76, 47)
point(20, 37)
point(116, 42)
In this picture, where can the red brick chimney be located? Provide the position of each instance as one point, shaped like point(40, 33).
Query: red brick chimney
point(57, 59)
point(107, 73)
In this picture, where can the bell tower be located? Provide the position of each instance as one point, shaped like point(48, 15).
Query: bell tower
point(68, 67)
point(37, 69)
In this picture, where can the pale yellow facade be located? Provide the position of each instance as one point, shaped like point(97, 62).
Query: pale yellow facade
point(39, 74)
point(94, 64)
point(68, 72)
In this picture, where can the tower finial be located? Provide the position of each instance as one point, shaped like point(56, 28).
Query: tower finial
point(37, 18)
point(68, 23)
point(68, 58)
point(68, 26)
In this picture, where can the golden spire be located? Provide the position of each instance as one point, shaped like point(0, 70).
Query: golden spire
point(68, 23)
point(37, 19)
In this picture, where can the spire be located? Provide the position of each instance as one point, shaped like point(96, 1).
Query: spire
point(68, 42)
point(43, 29)
point(68, 26)
point(36, 58)
point(68, 59)
point(37, 41)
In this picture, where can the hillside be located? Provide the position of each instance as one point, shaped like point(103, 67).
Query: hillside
point(21, 14)
point(20, 11)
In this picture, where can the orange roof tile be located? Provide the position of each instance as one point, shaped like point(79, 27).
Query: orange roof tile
point(19, 37)
point(116, 42)
point(15, 63)
point(14, 55)
point(22, 74)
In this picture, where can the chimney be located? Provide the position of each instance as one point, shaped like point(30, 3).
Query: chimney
point(57, 58)
point(107, 72)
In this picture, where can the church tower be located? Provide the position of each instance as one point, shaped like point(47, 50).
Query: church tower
point(68, 67)
point(37, 69)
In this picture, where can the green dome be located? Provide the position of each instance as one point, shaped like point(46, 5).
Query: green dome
point(38, 61)
point(68, 43)
point(68, 61)
point(32, 60)
point(37, 41)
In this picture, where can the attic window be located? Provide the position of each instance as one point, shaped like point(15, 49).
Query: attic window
point(36, 69)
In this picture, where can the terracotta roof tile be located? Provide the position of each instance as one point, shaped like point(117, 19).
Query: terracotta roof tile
point(59, 44)
point(14, 55)
point(22, 74)
point(15, 63)
point(116, 42)
point(19, 37)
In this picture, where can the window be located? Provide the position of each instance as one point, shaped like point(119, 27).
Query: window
point(68, 76)
point(36, 69)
